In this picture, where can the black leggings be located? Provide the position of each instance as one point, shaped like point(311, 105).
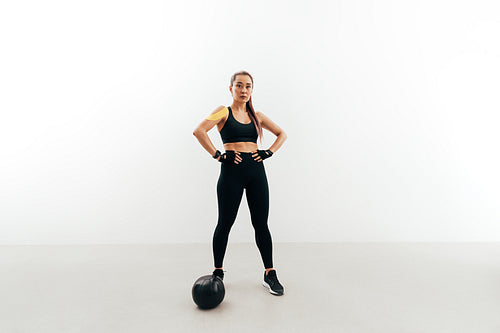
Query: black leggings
point(250, 175)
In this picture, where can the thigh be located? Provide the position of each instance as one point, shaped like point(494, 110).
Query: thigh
point(257, 193)
point(229, 190)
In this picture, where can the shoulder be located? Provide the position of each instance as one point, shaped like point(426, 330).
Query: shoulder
point(260, 116)
point(220, 112)
point(220, 108)
point(268, 124)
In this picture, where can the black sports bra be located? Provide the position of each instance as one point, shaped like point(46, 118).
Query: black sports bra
point(234, 131)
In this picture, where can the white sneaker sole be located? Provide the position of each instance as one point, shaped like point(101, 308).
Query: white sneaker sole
point(264, 283)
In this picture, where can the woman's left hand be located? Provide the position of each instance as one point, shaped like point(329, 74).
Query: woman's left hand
point(260, 155)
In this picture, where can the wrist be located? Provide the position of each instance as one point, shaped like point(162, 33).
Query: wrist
point(217, 154)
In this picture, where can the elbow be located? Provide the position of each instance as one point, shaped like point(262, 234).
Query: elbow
point(198, 133)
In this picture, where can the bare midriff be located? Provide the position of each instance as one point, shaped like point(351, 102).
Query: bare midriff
point(244, 147)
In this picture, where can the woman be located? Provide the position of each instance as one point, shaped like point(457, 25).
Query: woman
point(242, 168)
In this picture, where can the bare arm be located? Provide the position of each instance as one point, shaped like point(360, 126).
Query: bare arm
point(268, 124)
point(206, 125)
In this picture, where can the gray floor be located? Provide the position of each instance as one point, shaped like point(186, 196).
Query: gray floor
point(336, 287)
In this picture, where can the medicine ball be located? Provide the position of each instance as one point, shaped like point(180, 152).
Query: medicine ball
point(208, 291)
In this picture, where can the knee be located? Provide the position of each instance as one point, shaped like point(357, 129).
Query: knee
point(260, 227)
point(223, 227)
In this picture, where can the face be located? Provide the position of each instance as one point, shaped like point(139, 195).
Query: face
point(242, 88)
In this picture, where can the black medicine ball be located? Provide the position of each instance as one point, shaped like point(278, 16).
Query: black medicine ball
point(208, 291)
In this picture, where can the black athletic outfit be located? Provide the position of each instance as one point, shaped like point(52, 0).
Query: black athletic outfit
point(233, 179)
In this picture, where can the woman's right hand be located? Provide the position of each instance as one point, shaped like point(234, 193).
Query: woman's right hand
point(230, 157)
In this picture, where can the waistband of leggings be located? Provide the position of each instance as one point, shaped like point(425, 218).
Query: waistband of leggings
point(242, 152)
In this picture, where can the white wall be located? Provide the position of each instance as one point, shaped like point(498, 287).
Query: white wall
point(391, 110)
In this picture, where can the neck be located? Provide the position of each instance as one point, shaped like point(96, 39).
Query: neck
point(239, 106)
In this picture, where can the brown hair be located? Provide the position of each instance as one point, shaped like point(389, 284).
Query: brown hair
point(249, 106)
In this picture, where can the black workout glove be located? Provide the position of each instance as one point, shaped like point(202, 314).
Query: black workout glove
point(264, 153)
point(228, 157)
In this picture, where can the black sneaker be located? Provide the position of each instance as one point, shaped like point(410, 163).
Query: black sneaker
point(271, 282)
point(219, 272)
